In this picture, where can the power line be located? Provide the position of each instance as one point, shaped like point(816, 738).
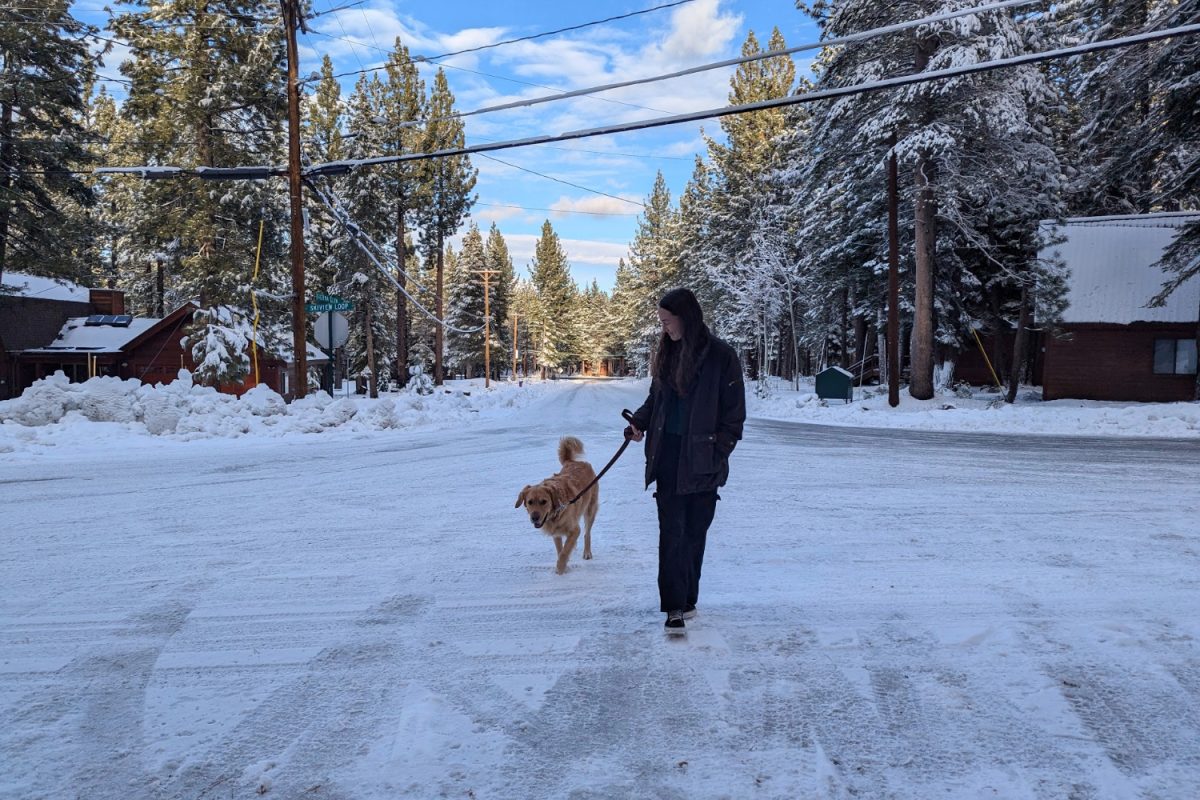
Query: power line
point(868, 34)
point(559, 210)
point(390, 62)
point(560, 30)
point(779, 102)
point(345, 166)
point(419, 59)
point(560, 180)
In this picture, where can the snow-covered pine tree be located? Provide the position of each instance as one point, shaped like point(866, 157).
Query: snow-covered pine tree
point(355, 275)
point(451, 180)
point(207, 90)
point(958, 140)
point(526, 305)
point(219, 341)
point(655, 269)
point(503, 284)
point(594, 328)
point(465, 307)
point(44, 67)
point(558, 346)
point(401, 113)
point(626, 300)
point(737, 168)
point(322, 120)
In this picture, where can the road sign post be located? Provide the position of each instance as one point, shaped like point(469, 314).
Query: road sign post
point(331, 330)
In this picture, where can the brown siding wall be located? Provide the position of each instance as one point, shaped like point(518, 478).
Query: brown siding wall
point(1113, 362)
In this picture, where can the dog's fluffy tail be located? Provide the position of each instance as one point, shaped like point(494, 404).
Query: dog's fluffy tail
point(568, 448)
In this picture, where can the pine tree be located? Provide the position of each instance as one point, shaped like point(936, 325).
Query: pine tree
point(401, 112)
point(207, 91)
point(503, 285)
point(323, 141)
point(465, 350)
point(654, 262)
point(352, 271)
point(44, 68)
point(978, 153)
point(559, 342)
point(450, 182)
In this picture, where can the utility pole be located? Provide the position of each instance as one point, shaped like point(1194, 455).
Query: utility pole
point(514, 352)
point(487, 326)
point(893, 319)
point(293, 19)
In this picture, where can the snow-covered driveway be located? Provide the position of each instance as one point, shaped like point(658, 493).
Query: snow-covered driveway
point(883, 615)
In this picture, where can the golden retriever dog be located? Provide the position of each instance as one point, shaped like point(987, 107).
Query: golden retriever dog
point(546, 503)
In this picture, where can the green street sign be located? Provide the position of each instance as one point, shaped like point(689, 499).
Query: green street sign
point(329, 298)
point(317, 308)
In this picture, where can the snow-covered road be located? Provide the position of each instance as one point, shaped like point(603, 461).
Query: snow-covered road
point(884, 614)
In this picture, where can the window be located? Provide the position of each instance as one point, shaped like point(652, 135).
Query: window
point(1174, 356)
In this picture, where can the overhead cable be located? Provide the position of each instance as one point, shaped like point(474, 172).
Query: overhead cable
point(560, 180)
point(432, 59)
point(345, 166)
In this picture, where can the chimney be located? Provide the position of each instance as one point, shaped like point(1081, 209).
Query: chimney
point(107, 301)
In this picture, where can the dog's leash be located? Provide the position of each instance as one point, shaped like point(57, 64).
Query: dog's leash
point(628, 415)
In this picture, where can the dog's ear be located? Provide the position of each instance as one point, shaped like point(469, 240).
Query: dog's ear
point(521, 497)
point(555, 492)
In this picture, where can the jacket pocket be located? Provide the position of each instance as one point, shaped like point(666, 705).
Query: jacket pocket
point(703, 456)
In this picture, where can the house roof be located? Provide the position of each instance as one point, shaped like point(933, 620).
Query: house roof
point(38, 288)
point(76, 337)
point(1112, 273)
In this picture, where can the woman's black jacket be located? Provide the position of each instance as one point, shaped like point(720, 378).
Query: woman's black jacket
point(716, 412)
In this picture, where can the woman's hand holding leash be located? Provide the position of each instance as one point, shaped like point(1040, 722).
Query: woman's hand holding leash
point(631, 431)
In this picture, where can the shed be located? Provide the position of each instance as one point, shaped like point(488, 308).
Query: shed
point(1112, 345)
point(835, 383)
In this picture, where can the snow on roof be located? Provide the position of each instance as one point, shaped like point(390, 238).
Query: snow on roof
point(1113, 277)
point(77, 337)
point(836, 368)
point(44, 288)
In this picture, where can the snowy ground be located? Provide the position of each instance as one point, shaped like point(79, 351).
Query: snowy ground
point(243, 607)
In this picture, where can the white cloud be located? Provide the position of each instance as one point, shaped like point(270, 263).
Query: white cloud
point(586, 251)
point(597, 205)
point(496, 213)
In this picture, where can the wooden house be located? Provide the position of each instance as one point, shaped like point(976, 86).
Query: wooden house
point(102, 340)
point(1112, 345)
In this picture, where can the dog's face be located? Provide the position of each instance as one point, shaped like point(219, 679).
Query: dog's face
point(539, 502)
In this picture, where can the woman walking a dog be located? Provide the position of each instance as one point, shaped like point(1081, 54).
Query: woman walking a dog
point(691, 420)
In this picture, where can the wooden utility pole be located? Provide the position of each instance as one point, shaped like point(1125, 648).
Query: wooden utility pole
point(514, 348)
point(487, 325)
point(893, 301)
point(292, 19)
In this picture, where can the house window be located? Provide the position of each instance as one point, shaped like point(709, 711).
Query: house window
point(1174, 356)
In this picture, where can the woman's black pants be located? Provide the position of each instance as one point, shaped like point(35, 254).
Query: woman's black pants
point(683, 521)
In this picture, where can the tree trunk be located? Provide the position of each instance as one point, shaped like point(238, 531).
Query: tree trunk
point(372, 380)
point(401, 365)
point(437, 328)
point(921, 379)
point(6, 157)
point(1020, 344)
point(1197, 396)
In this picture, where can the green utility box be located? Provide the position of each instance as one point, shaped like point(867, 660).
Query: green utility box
point(835, 383)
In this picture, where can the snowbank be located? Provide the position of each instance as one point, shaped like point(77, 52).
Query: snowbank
point(977, 410)
point(54, 409)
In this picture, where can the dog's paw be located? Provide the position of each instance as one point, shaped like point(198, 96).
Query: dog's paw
point(587, 556)
point(560, 569)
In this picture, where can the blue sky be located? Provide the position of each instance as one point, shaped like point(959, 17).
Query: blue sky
point(623, 165)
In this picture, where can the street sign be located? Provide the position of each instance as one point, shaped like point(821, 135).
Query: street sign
point(323, 297)
point(331, 330)
point(317, 308)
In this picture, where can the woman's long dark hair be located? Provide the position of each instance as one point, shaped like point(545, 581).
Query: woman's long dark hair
point(677, 362)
